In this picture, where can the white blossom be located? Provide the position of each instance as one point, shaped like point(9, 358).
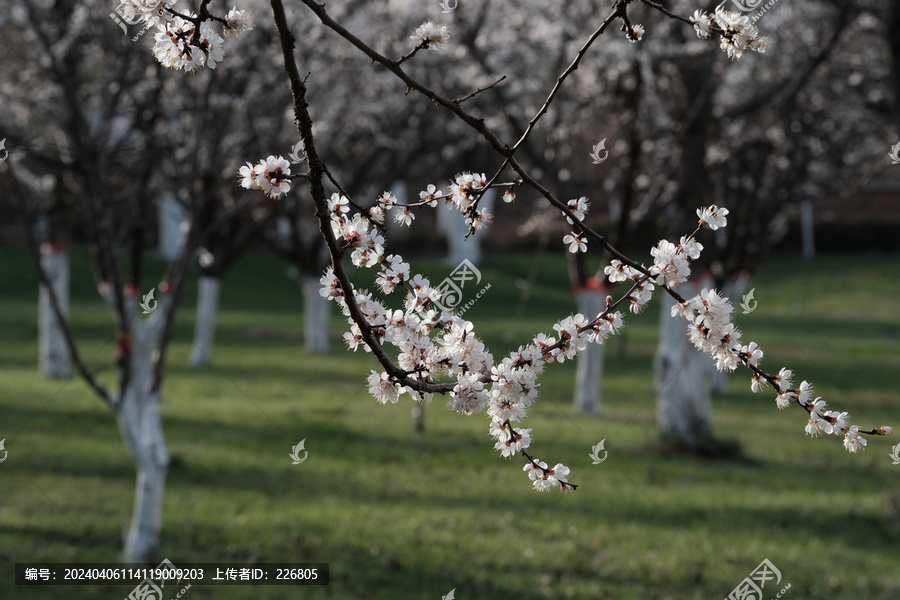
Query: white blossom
point(338, 204)
point(382, 388)
point(713, 216)
point(635, 33)
point(575, 242)
point(670, 264)
point(467, 396)
point(816, 421)
point(404, 217)
point(173, 49)
point(618, 271)
point(701, 23)
point(432, 35)
point(543, 478)
point(238, 21)
point(578, 208)
point(738, 33)
point(853, 441)
point(464, 189)
point(429, 195)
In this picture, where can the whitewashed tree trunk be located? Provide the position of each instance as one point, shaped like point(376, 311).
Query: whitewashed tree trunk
point(140, 424)
point(589, 370)
point(316, 311)
point(172, 218)
point(141, 427)
point(208, 289)
point(684, 407)
point(52, 350)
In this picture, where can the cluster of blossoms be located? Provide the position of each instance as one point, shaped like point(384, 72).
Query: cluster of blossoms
point(738, 34)
point(174, 44)
point(173, 47)
point(271, 175)
point(438, 348)
point(575, 241)
point(465, 189)
point(670, 267)
point(711, 330)
point(432, 35)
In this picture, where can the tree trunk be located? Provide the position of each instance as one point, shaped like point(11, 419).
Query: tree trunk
point(684, 408)
point(807, 229)
point(418, 415)
point(52, 350)
point(589, 371)
point(140, 416)
point(140, 425)
point(172, 217)
point(316, 311)
point(205, 328)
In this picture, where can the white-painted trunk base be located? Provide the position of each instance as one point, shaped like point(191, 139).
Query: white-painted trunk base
point(589, 369)
point(53, 353)
point(208, 289)
point(140, 425)
point(316, 312)
point(684, 406)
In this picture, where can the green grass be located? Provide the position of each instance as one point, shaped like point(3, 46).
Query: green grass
point(399, 515)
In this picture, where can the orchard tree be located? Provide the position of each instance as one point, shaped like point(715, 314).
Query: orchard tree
point(116, 147)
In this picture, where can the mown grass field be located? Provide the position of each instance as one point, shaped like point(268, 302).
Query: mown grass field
point(401, 515)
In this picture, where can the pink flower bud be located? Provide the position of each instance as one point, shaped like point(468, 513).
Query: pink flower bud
point(885, 430)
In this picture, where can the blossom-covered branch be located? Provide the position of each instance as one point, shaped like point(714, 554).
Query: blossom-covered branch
point(436, 350)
